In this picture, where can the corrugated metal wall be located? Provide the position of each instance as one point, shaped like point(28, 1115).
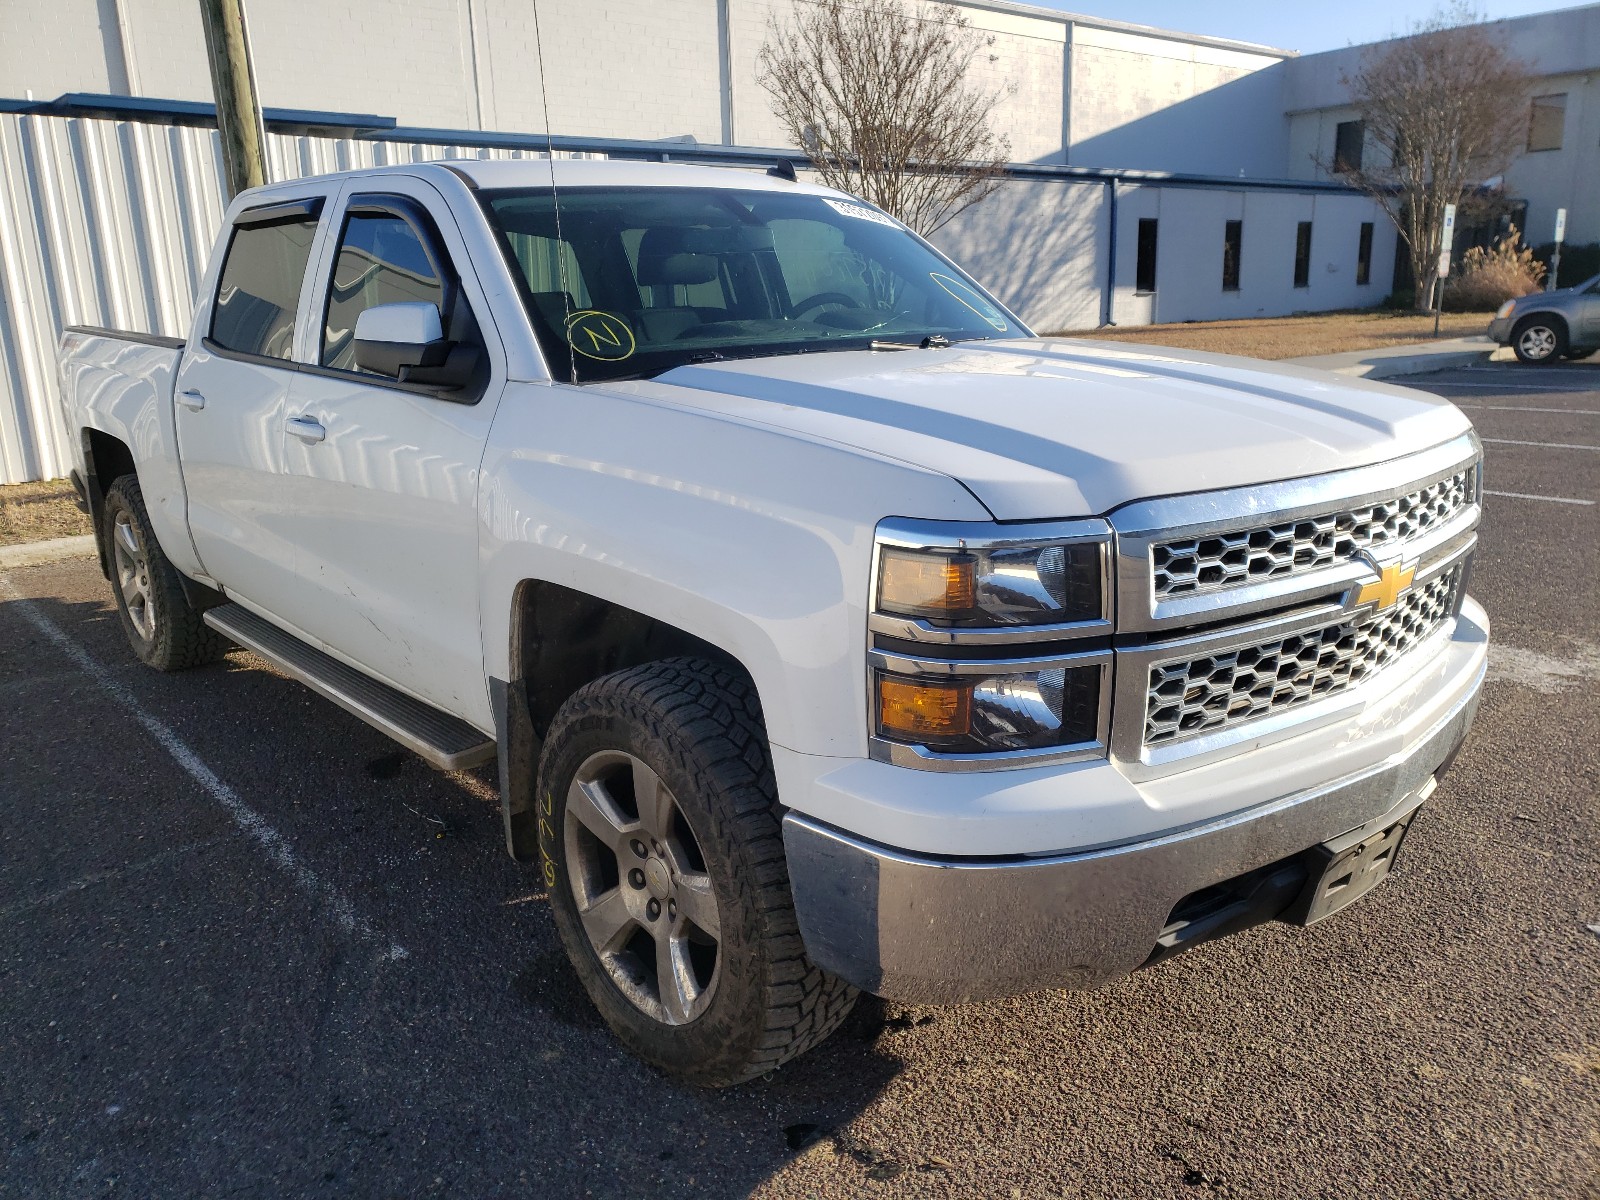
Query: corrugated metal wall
point(111, 223)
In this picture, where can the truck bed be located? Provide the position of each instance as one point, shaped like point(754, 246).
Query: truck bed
point(120, 383)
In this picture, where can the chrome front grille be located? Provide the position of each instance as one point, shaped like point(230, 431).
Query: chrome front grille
point(1252, 554)
point(1214, 692)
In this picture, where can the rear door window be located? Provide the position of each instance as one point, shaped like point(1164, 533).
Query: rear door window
point(259, 289)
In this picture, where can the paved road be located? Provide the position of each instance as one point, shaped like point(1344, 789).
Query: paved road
point(236, 958)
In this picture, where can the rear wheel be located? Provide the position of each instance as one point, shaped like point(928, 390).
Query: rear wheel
point(164, 630)
point(1539, 339)
point(660, 841)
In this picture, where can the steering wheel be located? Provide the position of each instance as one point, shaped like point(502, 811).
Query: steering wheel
point(819, 300)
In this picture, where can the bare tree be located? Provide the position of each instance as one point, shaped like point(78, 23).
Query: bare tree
point(1448, 108)
point(876, 93)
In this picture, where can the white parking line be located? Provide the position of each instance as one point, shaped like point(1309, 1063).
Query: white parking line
point(254, 825)
point(1571, 412)
point(1514, 387)
point(1531, 496)
point(1547, 445)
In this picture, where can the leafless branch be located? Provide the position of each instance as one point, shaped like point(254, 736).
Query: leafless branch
point(876, 93)
point(1446, 108)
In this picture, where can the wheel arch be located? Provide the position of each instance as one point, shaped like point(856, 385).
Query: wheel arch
point(106, 458)
point(562, 639)
point(1549, 314)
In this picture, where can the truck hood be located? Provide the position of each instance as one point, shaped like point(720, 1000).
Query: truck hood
point(1044, 428)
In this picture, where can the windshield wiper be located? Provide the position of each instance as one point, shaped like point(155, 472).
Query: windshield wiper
point(934, 341)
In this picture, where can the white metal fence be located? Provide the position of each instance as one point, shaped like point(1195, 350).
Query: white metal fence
point(111, 223)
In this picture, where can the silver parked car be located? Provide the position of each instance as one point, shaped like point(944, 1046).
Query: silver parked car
point(1550, 325)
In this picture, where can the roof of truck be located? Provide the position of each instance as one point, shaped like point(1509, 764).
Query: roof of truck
point(536, 173)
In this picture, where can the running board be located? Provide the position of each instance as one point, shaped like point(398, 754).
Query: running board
point(445, 741)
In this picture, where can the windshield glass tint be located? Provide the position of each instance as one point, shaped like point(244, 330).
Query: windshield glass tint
point(634, 281)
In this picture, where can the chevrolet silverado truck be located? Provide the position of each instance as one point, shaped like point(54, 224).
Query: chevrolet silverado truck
point(829, 630)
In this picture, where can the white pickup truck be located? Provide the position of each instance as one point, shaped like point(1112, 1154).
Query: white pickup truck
point(831, 630)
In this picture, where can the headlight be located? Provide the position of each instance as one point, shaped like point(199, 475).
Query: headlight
point(1505, 309)
point(1033, 709)
point(976, 586)
point(990, 643)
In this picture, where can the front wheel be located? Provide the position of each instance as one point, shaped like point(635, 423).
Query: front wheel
point(1539, 340)
point(163, 628)
point(661, 846)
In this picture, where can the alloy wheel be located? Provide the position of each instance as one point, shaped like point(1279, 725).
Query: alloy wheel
point(1537, 341)
point(643, 894)
point(133, 574)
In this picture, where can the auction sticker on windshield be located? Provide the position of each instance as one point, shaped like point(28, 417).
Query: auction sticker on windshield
point(863, 213)
point(602, 335)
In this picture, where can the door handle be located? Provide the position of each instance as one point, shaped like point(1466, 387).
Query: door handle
point(307, 429)
point(191, 399)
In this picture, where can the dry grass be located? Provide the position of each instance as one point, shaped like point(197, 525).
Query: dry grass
point(1297, 337)
point(35, 512)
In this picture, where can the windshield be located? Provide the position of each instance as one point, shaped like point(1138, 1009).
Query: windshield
point(634, 281)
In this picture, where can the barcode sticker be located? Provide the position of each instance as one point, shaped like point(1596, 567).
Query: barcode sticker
point(862, 213)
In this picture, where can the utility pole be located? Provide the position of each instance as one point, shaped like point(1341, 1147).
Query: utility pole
point(233, 80)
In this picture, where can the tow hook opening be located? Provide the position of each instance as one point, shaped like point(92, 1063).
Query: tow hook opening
point(1253, 898)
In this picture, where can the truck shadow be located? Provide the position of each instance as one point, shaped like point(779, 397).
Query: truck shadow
point(472, 1064)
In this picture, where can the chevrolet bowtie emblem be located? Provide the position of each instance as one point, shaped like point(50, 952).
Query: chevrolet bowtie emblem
point(1392, 582)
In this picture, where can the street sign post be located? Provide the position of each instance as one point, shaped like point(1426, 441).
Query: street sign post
point(1447, 239)
point(1555, 259)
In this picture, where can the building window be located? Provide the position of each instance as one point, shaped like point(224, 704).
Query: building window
point(1347, 143)
point(1545, 124)
point(1232, 240)
point(1302, 255)
point(1364, 255)
point(1144, 273)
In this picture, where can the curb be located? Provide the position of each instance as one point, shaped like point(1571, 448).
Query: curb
point(1414, 364)
point(54, 550)
point(1448, 354)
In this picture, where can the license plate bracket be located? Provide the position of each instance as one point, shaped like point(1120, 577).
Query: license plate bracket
point(1342, 871)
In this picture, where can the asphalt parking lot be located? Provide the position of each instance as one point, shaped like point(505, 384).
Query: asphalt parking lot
point(247, 948)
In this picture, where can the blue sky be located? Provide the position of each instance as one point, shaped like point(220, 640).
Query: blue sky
point(1289, 24)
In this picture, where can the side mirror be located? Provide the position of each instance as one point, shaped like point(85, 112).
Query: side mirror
point(393, 337)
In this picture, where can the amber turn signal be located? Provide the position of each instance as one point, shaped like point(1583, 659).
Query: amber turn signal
point(923, 711)
point(926, 584)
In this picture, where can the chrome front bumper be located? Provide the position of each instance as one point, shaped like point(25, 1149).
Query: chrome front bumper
point(944, 931)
